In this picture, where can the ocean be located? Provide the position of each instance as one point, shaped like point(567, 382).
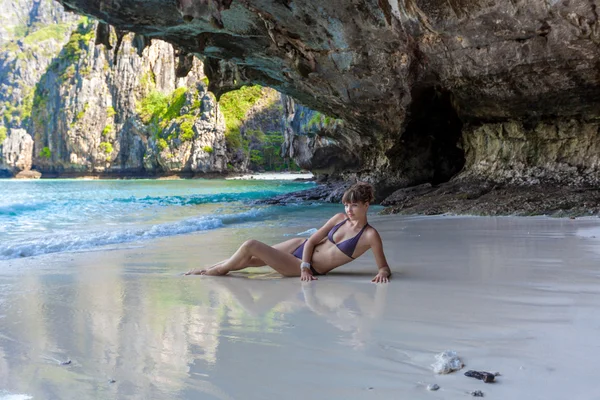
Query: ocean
point(54, 216)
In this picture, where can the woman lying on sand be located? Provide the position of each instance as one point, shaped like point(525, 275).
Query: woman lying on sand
point(342, 239)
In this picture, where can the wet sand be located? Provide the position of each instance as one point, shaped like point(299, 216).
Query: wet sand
point(515, 295)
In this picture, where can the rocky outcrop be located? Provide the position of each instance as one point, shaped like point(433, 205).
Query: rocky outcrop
point(32, 33)
point(329, 192)
point(204, 152)
point(317, 142)
point(415, 80)
point(115, 112)
point(558, 151)
point(486, 198)
point(17, 150)
point(101, 101)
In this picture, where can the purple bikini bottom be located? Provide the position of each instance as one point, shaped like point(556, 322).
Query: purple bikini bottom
point(298, 254)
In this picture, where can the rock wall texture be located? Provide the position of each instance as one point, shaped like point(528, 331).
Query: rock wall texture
point(17, 151)
point(422, 83)
point(562, 150)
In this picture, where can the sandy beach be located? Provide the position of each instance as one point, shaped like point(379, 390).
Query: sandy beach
point(274, 176)
point(519, 296)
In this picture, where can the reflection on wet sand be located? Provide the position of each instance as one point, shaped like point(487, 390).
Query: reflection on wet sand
point(347, 310)
point(342, 306)
point(154, 336)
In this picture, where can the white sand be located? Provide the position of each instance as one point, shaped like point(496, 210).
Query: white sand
point(274, 176)
point(515, 295)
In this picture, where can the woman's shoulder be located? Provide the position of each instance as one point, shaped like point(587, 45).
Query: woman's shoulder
point(371, 232)
point(337, 218)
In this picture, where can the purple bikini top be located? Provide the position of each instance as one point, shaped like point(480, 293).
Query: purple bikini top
point(347, 246)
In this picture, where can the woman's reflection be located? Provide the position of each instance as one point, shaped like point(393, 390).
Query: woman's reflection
point(341, 305)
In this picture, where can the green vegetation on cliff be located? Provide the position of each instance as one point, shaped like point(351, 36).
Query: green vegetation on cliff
point(64, 65)
point(158, 111)
point(319, 120)
point(265, 153)
point(176, 102)
point(47, 32)
point(19, 114)
point(234, 105)
point(2, 134)
point(187, 129)
point(106, 147)
point(160, 108)
point(108, 129)
point(46, 153)
point(152, 107)
point(79, 40)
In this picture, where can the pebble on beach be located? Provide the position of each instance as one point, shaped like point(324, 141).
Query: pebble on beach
point(447, 362)
point(487, 377)
point(477, 393)
point(65, 362)
point(433, 387)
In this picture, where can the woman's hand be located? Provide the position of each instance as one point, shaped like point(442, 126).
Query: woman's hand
point(307, 276)
point(383, 276)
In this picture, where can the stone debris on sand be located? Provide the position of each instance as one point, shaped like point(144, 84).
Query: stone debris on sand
point(477, 393)
point(447, 362)
point(433, 387)
point(487, 377)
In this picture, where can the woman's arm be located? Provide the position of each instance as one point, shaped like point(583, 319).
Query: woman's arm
point(313, 240)
point(384, 274)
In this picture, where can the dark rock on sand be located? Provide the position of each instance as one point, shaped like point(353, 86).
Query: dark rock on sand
point(487, 377)
point(330, 192)
point(488, 198)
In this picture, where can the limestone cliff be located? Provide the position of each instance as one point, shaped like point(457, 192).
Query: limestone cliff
point(108, 109)
point(420, 85)
point(98, 101)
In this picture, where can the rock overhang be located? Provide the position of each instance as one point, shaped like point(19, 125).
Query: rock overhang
point(365, 61)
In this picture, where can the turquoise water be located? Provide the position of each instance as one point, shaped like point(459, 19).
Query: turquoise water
point(49, 216)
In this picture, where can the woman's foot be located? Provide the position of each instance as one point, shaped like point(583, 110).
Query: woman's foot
point(214, 271)
point(195, 272)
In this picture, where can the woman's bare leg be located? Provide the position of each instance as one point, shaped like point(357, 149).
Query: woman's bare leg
point(289, 246)
point(282, 262)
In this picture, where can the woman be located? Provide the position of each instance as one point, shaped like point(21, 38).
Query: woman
point(345, 237)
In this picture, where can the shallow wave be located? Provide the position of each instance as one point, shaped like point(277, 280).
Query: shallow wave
point(305, 233)
point(93, 239)
point(19, 208)
point(89, 205)
point(196, 199)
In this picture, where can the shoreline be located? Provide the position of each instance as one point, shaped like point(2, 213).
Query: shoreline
point(275, 176)
point(35, 175)
point(466, 198)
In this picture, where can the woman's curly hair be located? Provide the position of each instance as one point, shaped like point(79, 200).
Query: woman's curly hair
point(359, 192)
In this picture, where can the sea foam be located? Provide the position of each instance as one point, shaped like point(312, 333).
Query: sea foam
point(85, 240)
